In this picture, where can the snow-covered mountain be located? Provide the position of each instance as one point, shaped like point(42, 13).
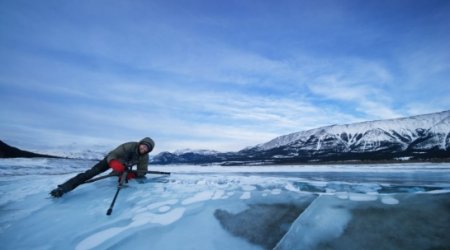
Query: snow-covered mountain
point(369, 136)
point(76, 151)
point(189, 156)
point(199, 151)
point(85, 154)
point(417, 137)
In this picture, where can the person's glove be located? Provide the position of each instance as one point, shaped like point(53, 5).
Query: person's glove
point(131, 175)
point(117, 166)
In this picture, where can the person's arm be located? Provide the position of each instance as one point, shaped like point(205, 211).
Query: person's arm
point(142, 166)
point(114, 158)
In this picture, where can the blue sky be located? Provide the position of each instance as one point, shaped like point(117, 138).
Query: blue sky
point(219, 75)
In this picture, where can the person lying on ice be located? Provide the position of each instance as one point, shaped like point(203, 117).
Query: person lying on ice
point(123, 157)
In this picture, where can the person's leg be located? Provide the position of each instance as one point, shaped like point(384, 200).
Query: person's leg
point(74, 182)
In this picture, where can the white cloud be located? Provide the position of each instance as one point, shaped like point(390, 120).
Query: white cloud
point(360, 84)
point(421, 67)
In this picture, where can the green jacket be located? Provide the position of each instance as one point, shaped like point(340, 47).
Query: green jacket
point(128, 154)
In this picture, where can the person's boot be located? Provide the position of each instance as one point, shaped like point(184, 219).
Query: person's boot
point(57, 192)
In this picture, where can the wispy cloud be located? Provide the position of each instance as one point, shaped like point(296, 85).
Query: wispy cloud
point(361, 84)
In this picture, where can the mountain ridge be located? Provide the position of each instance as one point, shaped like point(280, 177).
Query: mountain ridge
point(419, 137)
point(7, 151)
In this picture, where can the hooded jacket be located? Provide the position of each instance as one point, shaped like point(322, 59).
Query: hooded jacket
point(128, 154)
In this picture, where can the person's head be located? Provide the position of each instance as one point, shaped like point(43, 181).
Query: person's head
point(146, 145)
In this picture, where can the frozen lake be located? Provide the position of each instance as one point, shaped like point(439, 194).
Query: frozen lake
point(394, 206)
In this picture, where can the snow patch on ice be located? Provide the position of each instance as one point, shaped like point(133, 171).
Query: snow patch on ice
point(164, 209)
point(388, 200)
point(138, 220)
point(218, 194)
point(362, 197)
point(155, 205)
point(342, 195)
point(443, 191)
point(248, 188)
point(276, 191)
point(291, 187)
point(99, 238)
point(162, 203)
point(202, 196)
point(246, 196)
point(228, 195)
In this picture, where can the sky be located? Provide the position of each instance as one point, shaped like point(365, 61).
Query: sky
point(217, 75)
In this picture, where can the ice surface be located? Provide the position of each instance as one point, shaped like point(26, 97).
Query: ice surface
point(291, 207)
point(262, 224)
point(408, 221)
point(325, 219)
